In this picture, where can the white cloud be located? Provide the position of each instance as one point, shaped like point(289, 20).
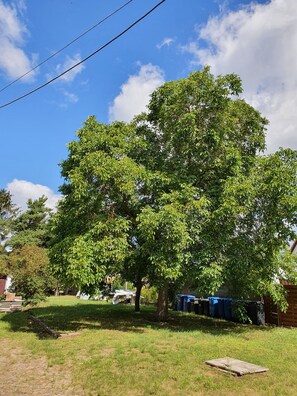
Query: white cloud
point(69, 62)
point(70, 97)
point(166, 42)
point(258, 42)
point(21, 6)
point(135, 93)
point(22, 190)
point(13, 32)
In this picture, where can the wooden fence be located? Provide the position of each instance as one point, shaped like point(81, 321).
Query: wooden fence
point(274, 316)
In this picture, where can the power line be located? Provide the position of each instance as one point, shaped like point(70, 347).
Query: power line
point(88, 57)
point(83, 60)
point(67, 45)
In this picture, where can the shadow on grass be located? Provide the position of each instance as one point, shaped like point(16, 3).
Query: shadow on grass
point(79, 316)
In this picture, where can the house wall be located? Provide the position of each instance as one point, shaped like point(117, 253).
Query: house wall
point(8, 282)
point(2, 285)
point(5, 283)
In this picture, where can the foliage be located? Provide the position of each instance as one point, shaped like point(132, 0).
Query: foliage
point(4, 270)
point(180, 193)
point(101, 195)
point(287, 264)
point(7, 216)
point(260, 213)
point(25, 255)
point(239, 311)
point(149, 295)
point(165, 237)
point(30, 227)
point(31, 277)
point(7, 213)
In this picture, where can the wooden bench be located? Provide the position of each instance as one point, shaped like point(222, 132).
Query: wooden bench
point(10, 306)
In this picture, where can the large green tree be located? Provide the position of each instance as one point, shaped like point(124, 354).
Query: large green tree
point(180, 193)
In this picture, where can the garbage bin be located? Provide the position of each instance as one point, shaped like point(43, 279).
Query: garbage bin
point(180, 302)
point(196, 306)
point(227, 308)
point(205, 304)
point(214, 306)
point(255, 311)
point(176, 303)
point(187, 302)
point(200, 307)
point(221, 308)
point(191, 305)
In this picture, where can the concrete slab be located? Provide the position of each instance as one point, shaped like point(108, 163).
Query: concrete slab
point(238, 367)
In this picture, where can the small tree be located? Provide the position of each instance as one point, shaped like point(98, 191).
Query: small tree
point(26, 253)
point(31, 276)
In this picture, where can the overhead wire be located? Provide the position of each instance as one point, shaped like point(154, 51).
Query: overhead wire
point(66, 46)
point(85, 59)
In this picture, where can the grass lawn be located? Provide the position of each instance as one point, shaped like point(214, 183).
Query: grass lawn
point(110, 350)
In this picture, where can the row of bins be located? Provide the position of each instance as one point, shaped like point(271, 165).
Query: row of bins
point(218, 307)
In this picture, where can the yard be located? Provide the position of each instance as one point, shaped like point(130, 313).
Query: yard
point(110, 350)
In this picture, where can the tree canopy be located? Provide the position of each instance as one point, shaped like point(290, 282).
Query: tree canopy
point(30, 227)
point(7, 213)
point(182, 192)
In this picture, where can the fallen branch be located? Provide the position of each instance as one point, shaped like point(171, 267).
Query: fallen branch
point(51, 332)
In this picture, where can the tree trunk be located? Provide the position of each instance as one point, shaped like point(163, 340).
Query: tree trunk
point(186, 288)
point(162, 304)
point(137, 296)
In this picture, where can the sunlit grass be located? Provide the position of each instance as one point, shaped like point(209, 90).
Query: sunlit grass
point(114, 351)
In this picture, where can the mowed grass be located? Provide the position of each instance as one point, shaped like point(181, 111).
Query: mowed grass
point(110, 350)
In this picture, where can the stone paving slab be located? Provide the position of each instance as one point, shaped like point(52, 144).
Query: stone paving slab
point(235, 366)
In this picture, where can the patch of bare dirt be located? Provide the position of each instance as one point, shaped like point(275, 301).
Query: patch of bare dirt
point(106, 352)
point(23, 374)
point(70, 335)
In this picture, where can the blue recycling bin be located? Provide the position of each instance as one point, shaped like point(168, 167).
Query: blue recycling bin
point(187, 302)
point(214, 306)
point(180, 302)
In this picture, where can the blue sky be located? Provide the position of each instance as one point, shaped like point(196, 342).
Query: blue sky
point(257, 40)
